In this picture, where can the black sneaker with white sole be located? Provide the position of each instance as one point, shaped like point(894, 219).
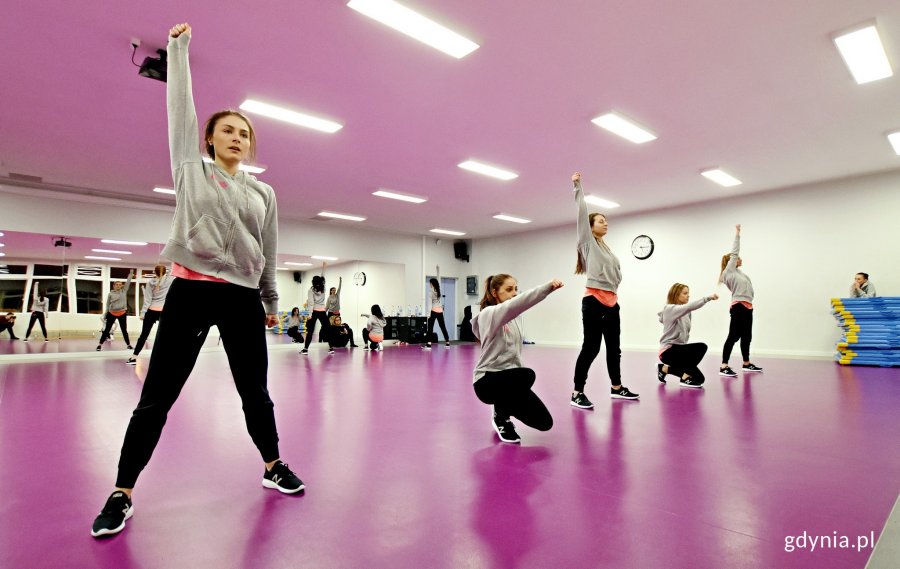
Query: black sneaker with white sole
point(660, 374)
point(505, 430)
point(727, 372)
point(690, 382)
point(751, 367)
point(330, 351)
point(622, 393)
point(304, 352)
point(283, 479)
point(581, 401)
point(131, 361)
point(111, 519)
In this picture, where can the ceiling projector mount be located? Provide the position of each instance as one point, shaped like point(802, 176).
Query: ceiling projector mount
point(61, 242)
point(152, 67)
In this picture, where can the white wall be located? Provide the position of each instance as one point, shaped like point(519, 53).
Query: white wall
point(800, 247)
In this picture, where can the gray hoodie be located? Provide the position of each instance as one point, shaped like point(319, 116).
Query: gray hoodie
point(600, 265)
point(118, 299)
point(224, 226)
point(498, 331)
point(867, 291)
point(676, 321)
point(375, 325)
point(315, 300)
point(155, 292)
point(737, 282)
point(333, 304)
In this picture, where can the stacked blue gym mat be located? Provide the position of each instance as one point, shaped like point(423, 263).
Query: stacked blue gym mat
point(871, 331)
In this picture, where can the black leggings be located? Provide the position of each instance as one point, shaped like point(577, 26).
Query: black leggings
point(741, 328)
point(365, 335)
point(311, 326)
point(294, 332)
point(39, 316)
point(509, 391)
point(123, 326)
point(150, 318)
point(439, 316)
point(182, 330)
point(684, 359)
point(600, 323)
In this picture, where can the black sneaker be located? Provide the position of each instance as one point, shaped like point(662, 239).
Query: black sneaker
point(129, 347)
point(690, 382)
point(581, 401)
point(447, 344)
point(622, 393)
point(131, 361)
point(727, 372)
point(304, 352)
point(660, 374)
point(98, 347)
point(751, 367)
point(330, 351)
point(111, 519)
point(505, 430)
point(283, 479)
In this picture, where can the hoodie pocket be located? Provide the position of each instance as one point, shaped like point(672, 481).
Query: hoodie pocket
point(206, 239)
point(246, 254)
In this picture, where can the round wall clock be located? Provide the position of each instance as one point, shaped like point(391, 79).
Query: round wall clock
point(642, 247)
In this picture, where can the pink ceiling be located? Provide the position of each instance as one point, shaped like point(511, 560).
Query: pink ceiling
point(756, 88)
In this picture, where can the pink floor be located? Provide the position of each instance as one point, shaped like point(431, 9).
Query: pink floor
point(403, 470)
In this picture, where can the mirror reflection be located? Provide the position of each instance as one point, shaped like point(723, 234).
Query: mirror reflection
point(71, 277)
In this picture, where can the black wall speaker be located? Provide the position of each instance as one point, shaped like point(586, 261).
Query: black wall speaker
point(461, 251)
point(297, 275)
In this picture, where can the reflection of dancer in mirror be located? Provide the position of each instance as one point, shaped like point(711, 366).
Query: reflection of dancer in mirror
point(7, 321)
point(40, 305)
point(500, 378)
point(223, 245)
point(155, 293)
point(333, 304)
point(117, 310)
point(437, 310)
point(677, 356)
point(293, 326)
point(373, 333)
point(600, 304)
point(741, 327)
point(315, 303)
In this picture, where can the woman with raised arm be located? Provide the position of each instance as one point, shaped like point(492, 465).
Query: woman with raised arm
point(40, 305)
point(600, 304)
point(155, 293)
point(333, 304)
point(741, 327)
point(677, 356)
point(117, 310)
point(223, 243)
point(501, 379)
point(437, 310)
point(315, 303)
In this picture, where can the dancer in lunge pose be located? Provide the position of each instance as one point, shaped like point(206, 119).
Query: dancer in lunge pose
point(677, 356)
point(500, 378)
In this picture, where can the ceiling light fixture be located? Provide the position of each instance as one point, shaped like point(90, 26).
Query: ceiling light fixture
point(117, 242)
point(512, 218)
point(402, 197)
point(626, 128)
point(863, 53)
point(340, 216)
point(447, 232)
point(487, 170)
point(292, 117)
point(594, 200)
point(415, 25)
point(114, 251)
point(102, 258)
point(720, 177)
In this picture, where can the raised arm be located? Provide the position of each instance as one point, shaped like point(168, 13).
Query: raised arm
point(501, 314)
point(148, 296)
point(184, 132)
point(340, 284)
point(128, 282)
point(679, 310)
point(735, 249)
point(583, 222)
